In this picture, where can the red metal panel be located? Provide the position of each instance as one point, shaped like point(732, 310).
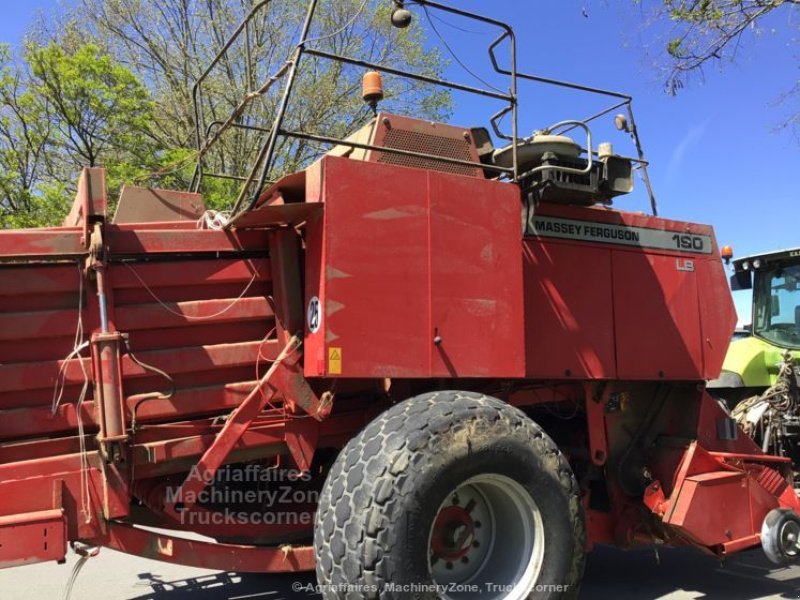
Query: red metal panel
point(41, 349)
point(713, 508)
point(661, 286)
point(192, 273)
point(475, 278)
point(39, 324)
point(187, 402)
point(717, 314)
point(208, 333)
point(21, 280)
point(569, 311)
point(126, 240)
point(410, 255)
point(375, 306)
point(155, 316)
point(41, 375)
point(42, 243)
point(32, 537)
point(656, 318)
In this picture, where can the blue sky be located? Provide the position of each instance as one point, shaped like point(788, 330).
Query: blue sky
point(715, 155)
point(17, 16)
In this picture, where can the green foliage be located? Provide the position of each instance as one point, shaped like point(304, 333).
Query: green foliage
point(63, 110)
point(23, 138)
point(110, 83)
point(96, 105)
point(44, 207)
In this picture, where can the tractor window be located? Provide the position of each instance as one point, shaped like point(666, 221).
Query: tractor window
point(777, 306)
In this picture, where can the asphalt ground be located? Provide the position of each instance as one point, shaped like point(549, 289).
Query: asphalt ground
point(611, 574)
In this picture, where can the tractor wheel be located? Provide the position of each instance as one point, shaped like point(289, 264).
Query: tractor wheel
point(450, 495)
point(780, 536)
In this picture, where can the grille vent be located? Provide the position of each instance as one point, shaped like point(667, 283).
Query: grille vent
point(403, 139)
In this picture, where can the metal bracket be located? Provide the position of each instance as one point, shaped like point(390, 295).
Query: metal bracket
point(596, 421)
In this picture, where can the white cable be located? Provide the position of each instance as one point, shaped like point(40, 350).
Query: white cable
point(77, 346)
point(216, 220)
point(85, 500)
point(58, 390)
point(188, 317)
point(58, 393)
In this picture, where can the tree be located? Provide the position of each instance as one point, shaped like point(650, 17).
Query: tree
point(23, 138)
point(59, 111)
point(96, 106)
point(110, 82)
point(706, 31)
point(99, 113)
point(169, 43)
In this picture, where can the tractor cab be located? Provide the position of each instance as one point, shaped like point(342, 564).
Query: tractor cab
point(753, 362)
point(760, 378)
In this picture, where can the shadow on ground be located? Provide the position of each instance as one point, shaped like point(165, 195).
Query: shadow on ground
point(228, 586)
point(685, 573)
point(610, 573)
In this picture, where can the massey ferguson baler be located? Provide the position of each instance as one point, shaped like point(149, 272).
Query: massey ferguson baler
point(423, 366)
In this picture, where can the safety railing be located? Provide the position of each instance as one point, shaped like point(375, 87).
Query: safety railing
point(255, 181)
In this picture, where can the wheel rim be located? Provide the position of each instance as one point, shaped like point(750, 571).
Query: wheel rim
point(790, 538)
point(488, 531)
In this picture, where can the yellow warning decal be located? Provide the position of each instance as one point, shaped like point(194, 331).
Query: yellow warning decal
point(334, 361)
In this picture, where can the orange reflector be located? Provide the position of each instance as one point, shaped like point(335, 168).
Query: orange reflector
point(372, 86)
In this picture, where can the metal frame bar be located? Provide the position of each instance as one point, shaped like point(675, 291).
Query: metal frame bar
point(329, 140)
point(400, 73)
point(351, 144)
point(627, 102)
point(265, 158)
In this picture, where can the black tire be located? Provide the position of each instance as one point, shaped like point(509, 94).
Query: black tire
point(780, 537)
point(387, 486)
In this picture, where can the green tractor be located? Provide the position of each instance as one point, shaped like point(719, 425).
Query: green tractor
point(760, 379)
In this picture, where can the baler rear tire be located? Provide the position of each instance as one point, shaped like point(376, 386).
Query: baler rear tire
point(375, 521)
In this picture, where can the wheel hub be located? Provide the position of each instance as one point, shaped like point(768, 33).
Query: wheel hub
point(790, 538)
point(488, 531)
point(453, 534)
